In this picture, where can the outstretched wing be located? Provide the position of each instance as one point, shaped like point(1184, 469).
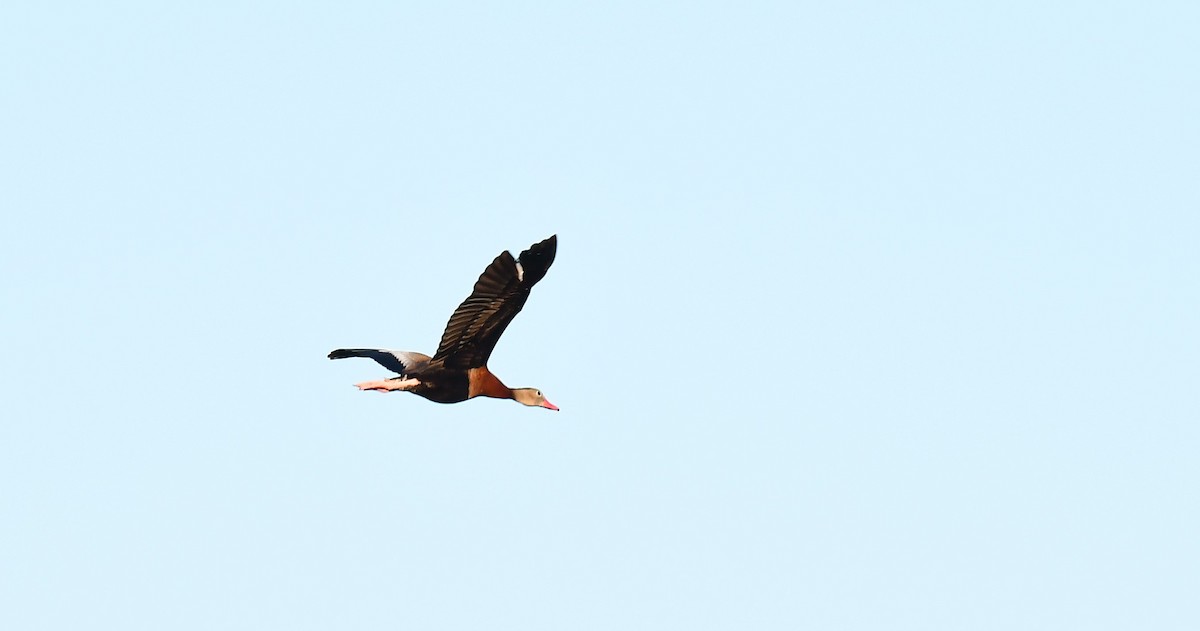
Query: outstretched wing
point(400, 362)
point(498, 297)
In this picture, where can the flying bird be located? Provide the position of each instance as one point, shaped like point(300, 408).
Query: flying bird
point(458, 370)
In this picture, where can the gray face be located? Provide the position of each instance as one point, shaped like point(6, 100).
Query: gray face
point(533, 397)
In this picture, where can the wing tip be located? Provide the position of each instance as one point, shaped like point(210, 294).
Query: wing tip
point(536, 261)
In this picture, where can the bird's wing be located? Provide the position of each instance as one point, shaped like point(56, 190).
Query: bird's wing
point(498, 296)
point(401, 362)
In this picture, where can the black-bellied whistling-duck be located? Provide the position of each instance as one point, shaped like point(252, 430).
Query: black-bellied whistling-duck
point(458, 371)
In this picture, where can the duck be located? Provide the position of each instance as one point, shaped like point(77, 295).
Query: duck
point(458, 371)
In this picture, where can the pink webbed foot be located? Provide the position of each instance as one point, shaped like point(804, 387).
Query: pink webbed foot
point(387, 385)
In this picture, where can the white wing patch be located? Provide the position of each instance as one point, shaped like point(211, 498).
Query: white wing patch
point(520, 272)
point(409, 358)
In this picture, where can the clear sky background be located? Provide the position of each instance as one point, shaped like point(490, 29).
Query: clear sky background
point(866, 315)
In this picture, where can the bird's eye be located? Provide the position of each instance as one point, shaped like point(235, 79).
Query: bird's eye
point(539, 393)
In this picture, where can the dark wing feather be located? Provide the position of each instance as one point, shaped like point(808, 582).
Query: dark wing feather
point(401, 362)
point(497, 298)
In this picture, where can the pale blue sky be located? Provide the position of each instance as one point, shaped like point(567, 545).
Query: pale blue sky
point(865, 315)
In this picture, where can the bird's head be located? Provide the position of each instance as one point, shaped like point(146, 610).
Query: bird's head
point(533, 397)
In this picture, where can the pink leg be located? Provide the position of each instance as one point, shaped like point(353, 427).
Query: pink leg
point(387, 385)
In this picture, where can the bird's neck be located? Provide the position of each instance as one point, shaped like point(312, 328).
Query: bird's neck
point(484, 384)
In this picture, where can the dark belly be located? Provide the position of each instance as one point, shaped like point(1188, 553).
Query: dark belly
point(443, 386)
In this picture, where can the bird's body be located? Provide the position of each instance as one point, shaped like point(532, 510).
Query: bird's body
point(458, 370)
